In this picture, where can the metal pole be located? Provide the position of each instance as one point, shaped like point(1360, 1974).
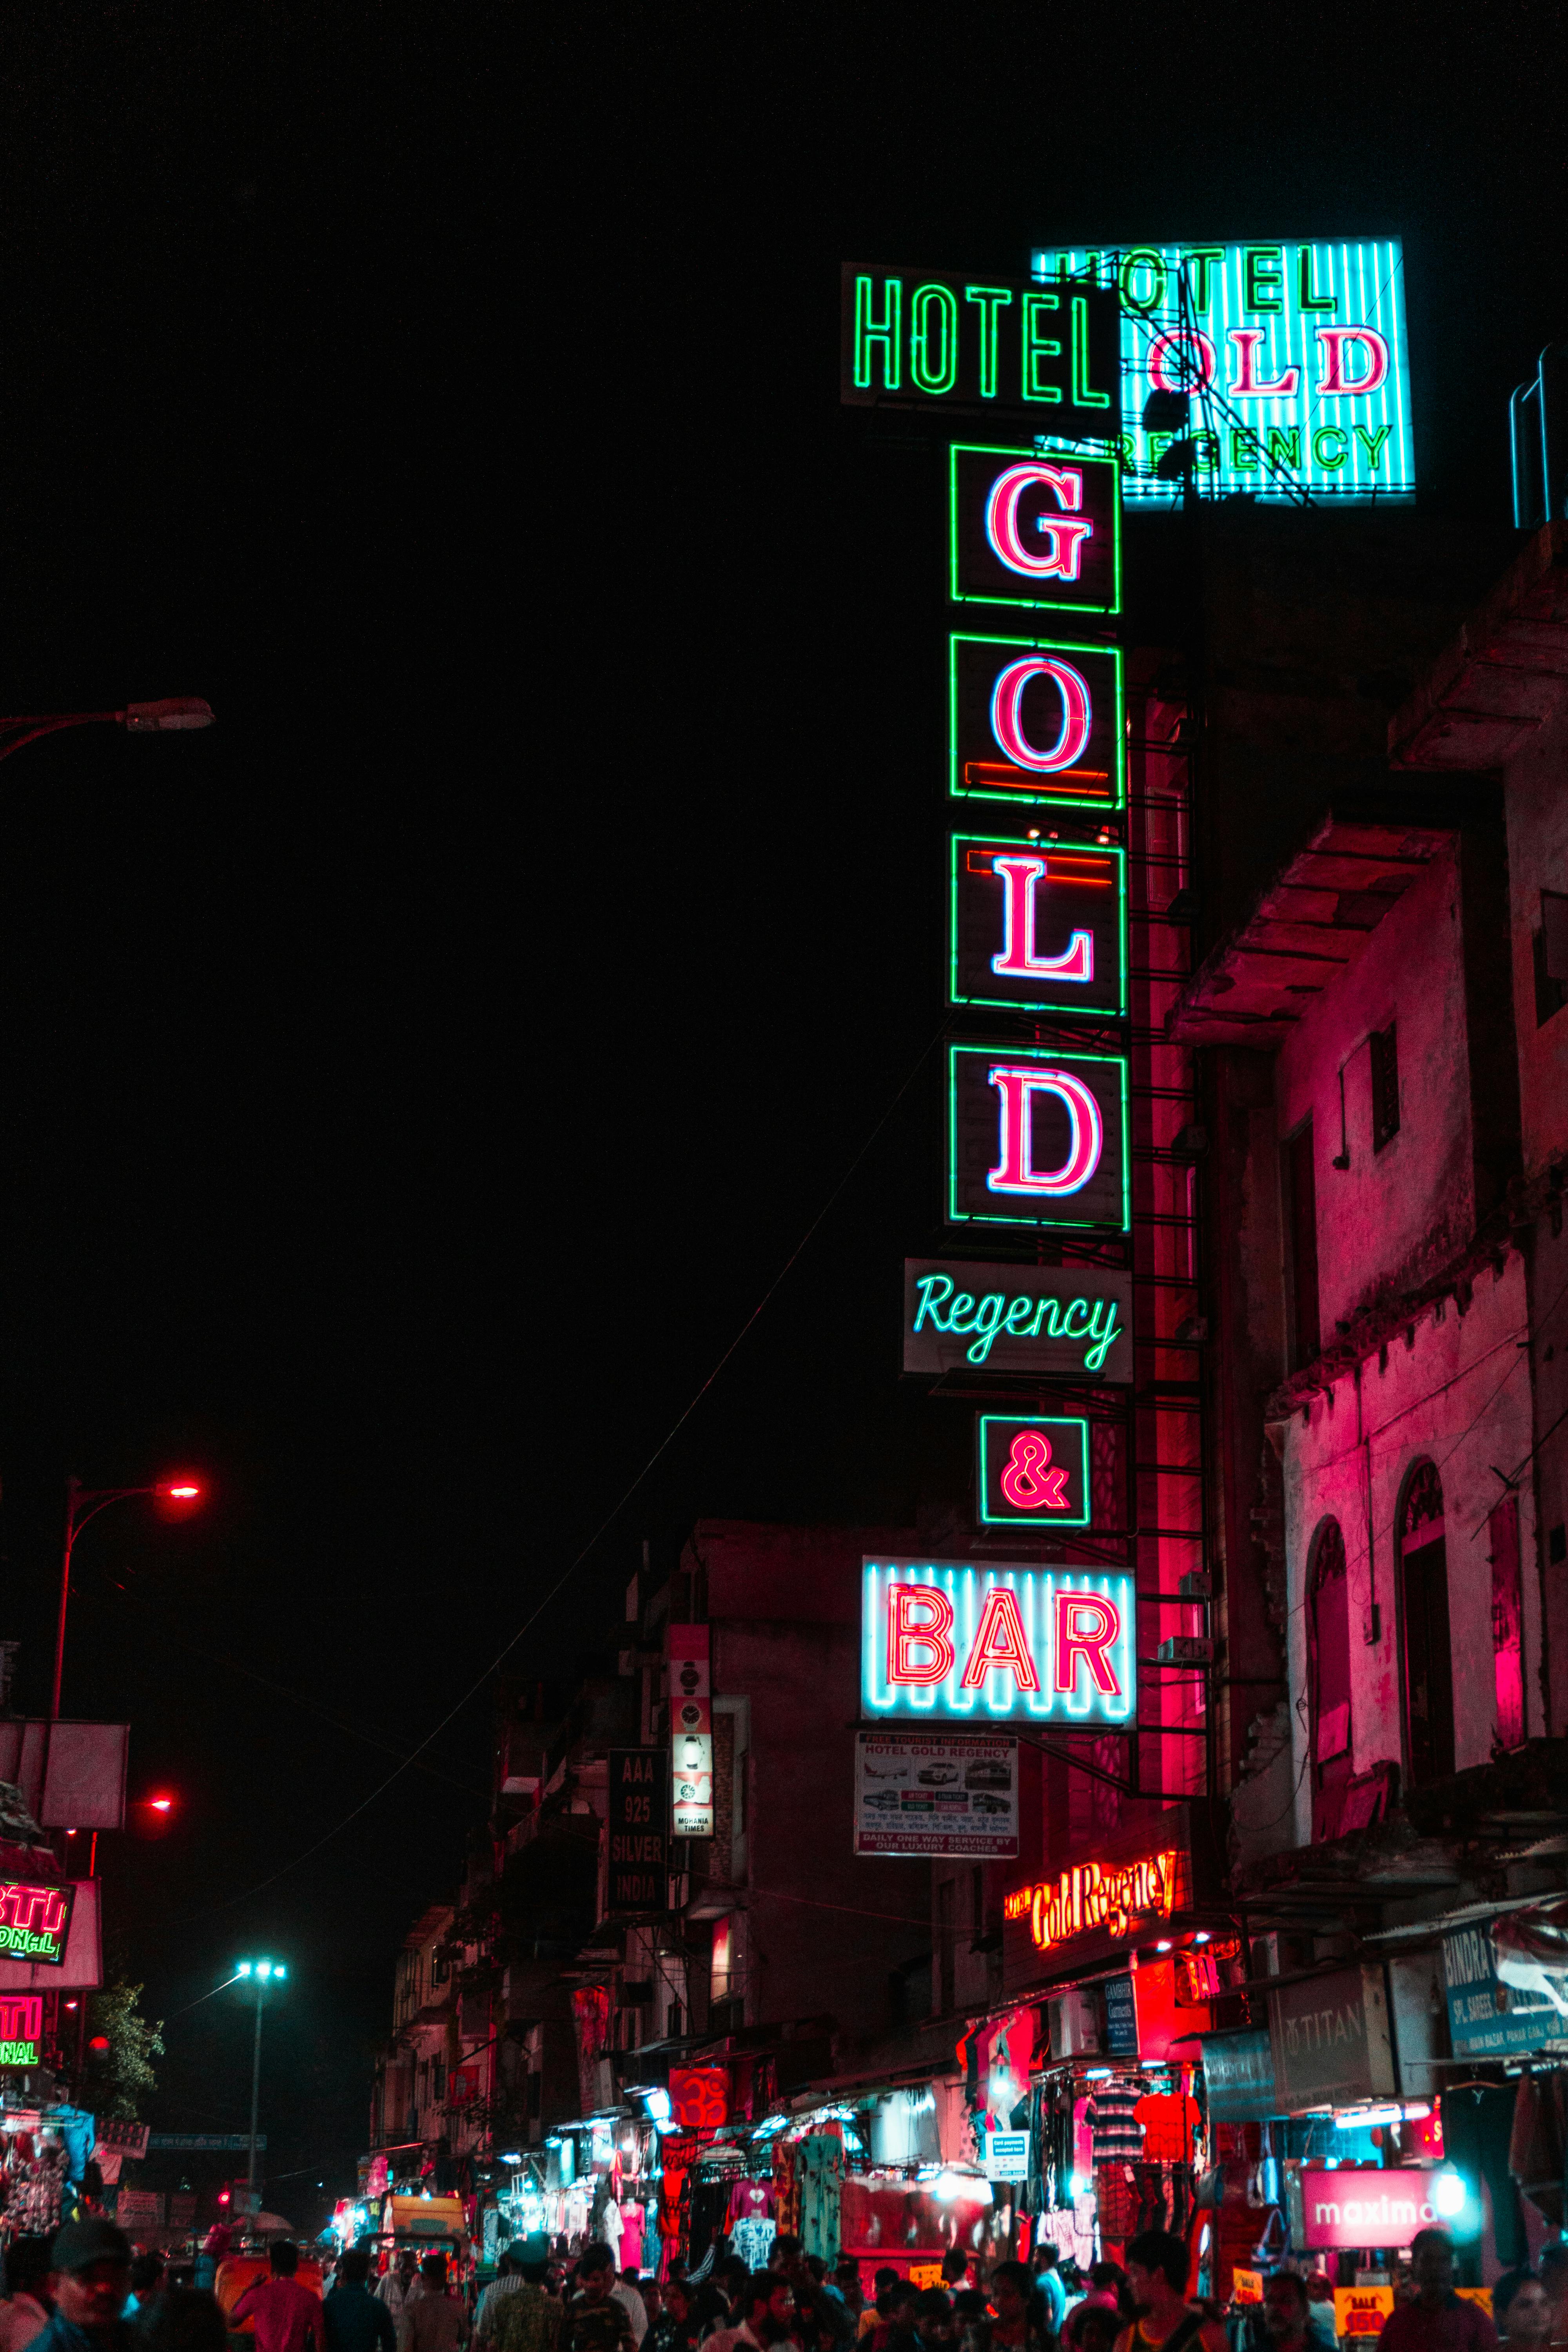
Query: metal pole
point(255, 2090)
point(73, 1488)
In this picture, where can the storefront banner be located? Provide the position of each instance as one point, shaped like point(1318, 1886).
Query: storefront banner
point(1127, 1889)
point(1331, 2045)
point(936, 1796)
point(1355, 2206)
point(1488, 2019)
point(1120, 2018)
point(1007, 2155)
point(700, 2097)
point(1238, 2073)
point(1362, 2310)
point(691, 1731)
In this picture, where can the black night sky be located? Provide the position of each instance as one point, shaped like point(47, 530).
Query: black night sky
point(411, 1086)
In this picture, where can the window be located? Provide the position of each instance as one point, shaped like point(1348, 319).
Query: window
point(1550, 945)
point(1508, 1611)
point(1424, 1611)
point(1329, 1651)
point(1384, 1086)
point(1300, 1191)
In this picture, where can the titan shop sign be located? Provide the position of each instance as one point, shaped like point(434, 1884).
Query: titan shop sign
point(1332, 2044)
point(929, 338)
point(1030, 530)
point(1038, 1138)
point(1038, 926)
point(944, 1643)
point(1032, 1470)
point(1036, 722)
point(1301, 344)
point(1059, 1322)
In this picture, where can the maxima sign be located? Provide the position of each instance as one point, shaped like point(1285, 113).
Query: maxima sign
point(946, 1643)
point(1063, 1322)
point(1299, 344)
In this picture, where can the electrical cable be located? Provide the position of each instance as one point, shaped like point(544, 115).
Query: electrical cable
point(610, 1517)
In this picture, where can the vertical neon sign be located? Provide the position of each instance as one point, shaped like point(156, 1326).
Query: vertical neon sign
point(1030, 530)
point(1036, 721)
point(1038, 1138)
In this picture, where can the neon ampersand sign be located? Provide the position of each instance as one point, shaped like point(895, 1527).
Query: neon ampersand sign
point(1006, 714)
point(1026, 1483)
point(1018, 1087)
point(1018, 959)
point(1064, 533)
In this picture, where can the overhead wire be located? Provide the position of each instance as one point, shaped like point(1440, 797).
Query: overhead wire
point(612, 1515)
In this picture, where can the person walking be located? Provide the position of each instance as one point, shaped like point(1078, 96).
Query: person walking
point(528, 2317)
point(596, 2320)
point(1157, 2268)
point(401, 2285)
point(26, 2312)
point(1436, 2319)
point(286, 2315)
point(352, 2319)
point(434, 2319)
point(88, 2281)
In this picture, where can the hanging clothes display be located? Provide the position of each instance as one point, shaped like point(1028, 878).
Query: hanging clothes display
point(786, 2188)
point(820, 2165)
point(1114, 2116)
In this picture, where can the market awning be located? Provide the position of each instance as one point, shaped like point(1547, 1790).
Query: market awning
point(1532, 1949)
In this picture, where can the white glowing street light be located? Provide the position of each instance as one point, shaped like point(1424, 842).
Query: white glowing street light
point(261, 1973)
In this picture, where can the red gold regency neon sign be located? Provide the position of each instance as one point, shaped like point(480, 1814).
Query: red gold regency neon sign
point(1119, 1897)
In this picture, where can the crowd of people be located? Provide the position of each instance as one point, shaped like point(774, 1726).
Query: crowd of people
point(85, 2290)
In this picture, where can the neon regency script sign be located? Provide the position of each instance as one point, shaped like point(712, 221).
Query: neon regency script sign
point(945, 1643)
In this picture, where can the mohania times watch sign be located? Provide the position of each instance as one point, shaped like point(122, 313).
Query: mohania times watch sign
point(1062, 1322)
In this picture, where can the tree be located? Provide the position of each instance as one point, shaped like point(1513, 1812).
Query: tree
point(126, 2069)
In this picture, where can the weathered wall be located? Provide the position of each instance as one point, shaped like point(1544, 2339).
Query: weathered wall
point(1457, 1394)
point(1391, 1217)
point(1537, 790)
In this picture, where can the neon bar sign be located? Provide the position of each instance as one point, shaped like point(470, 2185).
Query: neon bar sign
point(1036, 722)
point(21, 2029)
point(1038, 1138)
point(1045, 1319)
point(1119, 1898)
point(1025, 528)
point(35, 1921)
point(945, 1643)
point(1038, 926)
point(927, 338)
point(1032, 1470)
point(1305, 343)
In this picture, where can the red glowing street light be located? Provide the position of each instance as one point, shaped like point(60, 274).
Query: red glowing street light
point(160, 1804)
point(177, 1497)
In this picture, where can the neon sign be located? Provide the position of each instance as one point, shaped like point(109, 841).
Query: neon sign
point(1035, 722)
point(1046, 1319)
point(1302, 346)
point(21, 2029)
point(1032, 1471)
point(1025, 528)
point(924, 338)
point(1038, 926)
point(35, 1921)
point(1118, 1898)
point(1038, 1138)
point(946, 1643)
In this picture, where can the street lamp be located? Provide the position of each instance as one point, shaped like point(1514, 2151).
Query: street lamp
point(178, 1495)
point(261, 1973)
point(176, 714)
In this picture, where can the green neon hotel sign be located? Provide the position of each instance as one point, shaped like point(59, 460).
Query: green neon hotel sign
point(1301, 343)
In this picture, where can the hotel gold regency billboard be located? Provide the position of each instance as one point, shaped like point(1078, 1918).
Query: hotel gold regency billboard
point(1294, 353)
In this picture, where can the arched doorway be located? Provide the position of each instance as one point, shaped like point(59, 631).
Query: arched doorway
point(1427, 1663)
point(1329, 1645)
